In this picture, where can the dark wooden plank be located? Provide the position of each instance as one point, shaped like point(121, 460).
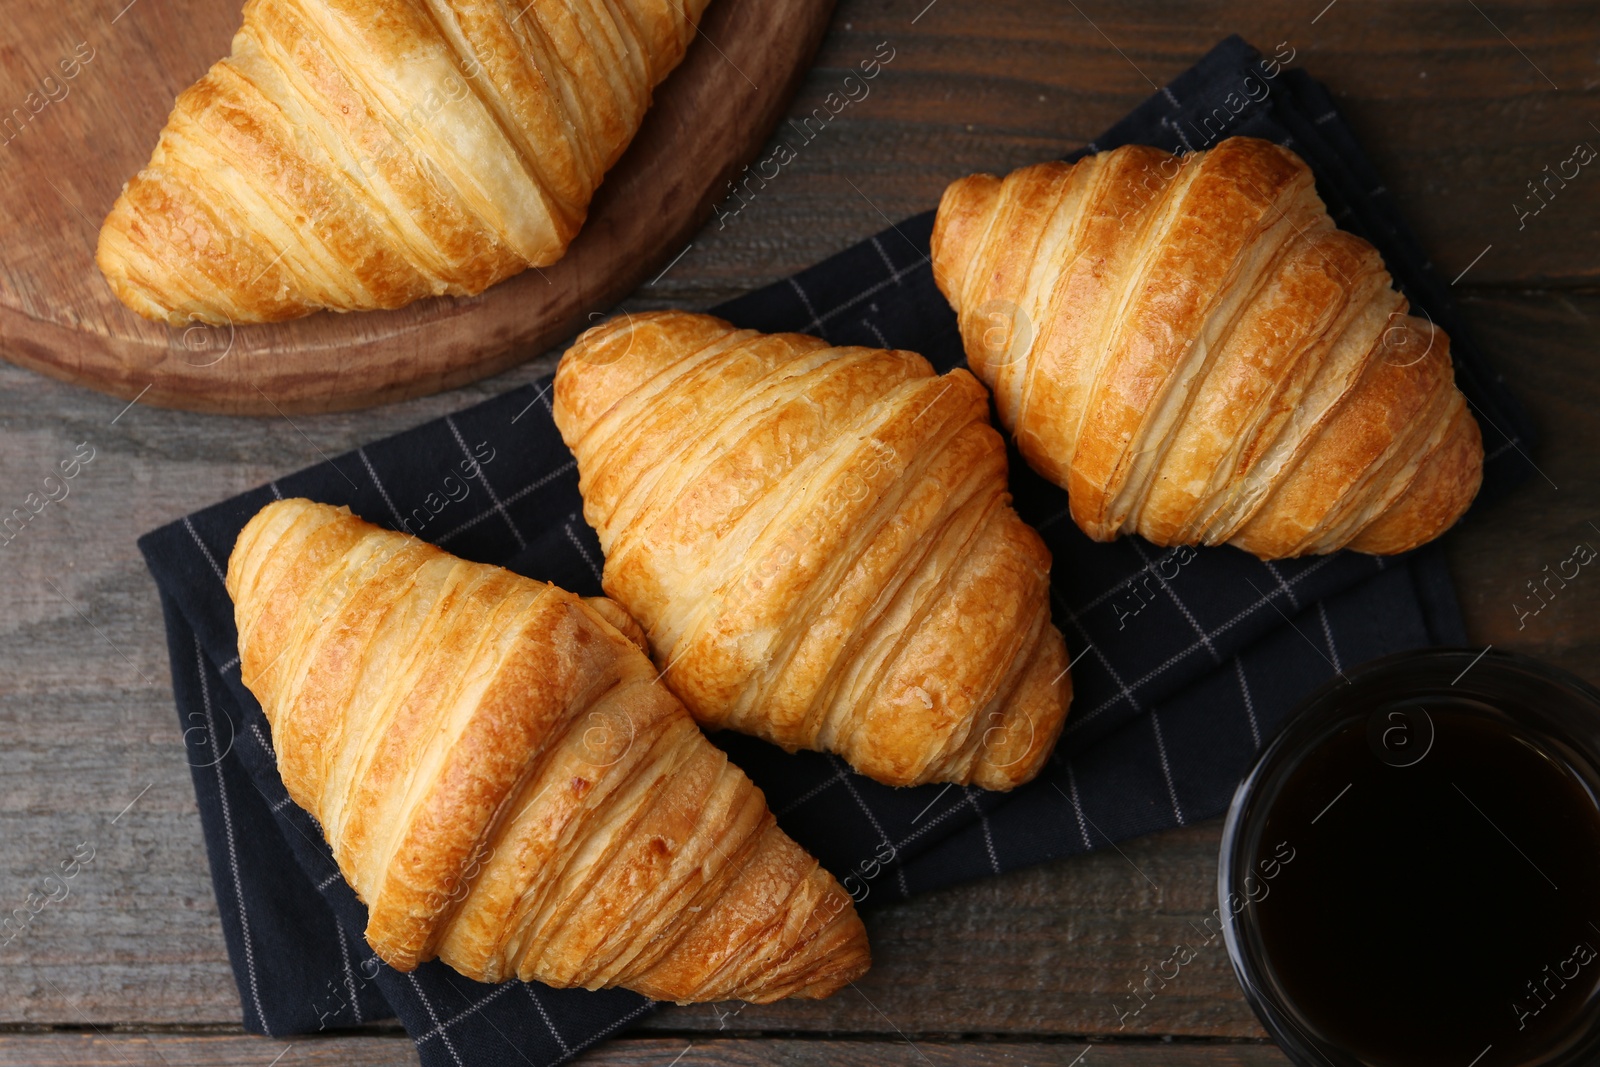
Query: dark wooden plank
point(1456, 120)
point(1545, 346)
point(121, 1050)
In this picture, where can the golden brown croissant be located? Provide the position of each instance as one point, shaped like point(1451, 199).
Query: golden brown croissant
point(352, 154)
point(507, 785)
point(1194, 352)
point(820, 545)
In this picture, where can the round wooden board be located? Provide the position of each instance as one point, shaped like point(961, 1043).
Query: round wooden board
point(68, 144)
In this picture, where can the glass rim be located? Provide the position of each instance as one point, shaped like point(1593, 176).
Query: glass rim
point(1574, 722)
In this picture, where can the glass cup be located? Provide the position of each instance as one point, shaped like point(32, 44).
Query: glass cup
point(1391, 713)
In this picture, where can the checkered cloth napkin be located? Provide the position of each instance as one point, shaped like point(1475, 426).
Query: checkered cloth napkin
point(1185, 659)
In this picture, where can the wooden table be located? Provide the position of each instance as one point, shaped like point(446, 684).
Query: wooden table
point(1459, 113)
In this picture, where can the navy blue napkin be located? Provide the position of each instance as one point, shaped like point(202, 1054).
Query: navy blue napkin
point(1185, 660)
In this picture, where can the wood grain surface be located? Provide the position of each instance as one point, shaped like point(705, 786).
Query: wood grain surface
point(90, 1049)
point(1019, 969)
point(74, 140)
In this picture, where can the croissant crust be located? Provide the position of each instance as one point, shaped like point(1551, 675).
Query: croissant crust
point(355, 155)
point(820, 545)
point(1194, 352)
point(505, 783)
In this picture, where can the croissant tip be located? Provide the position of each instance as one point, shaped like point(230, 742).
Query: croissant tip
point(115, 270)
point(957, 224)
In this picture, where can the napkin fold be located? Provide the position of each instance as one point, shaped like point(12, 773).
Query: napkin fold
point(1185, 660)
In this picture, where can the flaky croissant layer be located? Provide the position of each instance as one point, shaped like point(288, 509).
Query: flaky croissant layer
point(352, 154)
point(505, 783)
point(1194, 352)
point(820, 545)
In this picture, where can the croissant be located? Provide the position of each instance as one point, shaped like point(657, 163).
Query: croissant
point(1191, 349)
point(352, 154)
point(820, 545)
point(507, 786)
